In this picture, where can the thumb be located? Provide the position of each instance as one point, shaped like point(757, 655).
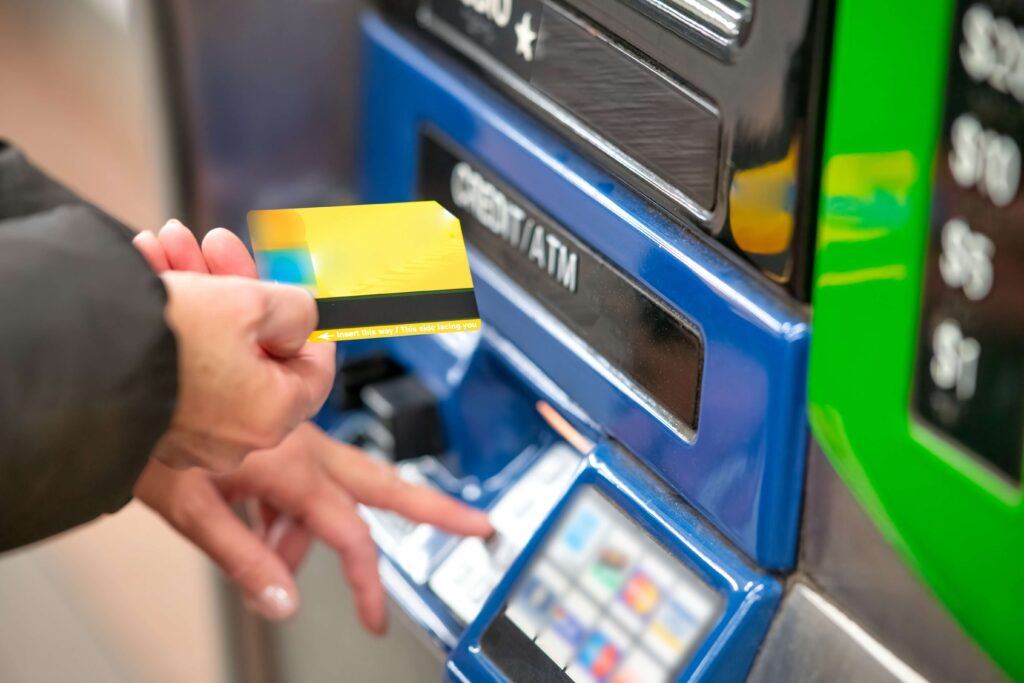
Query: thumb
point(226, 254)
point(289, 317)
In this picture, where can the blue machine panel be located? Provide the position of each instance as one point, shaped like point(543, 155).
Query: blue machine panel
point(740, 462)
point(592, 597)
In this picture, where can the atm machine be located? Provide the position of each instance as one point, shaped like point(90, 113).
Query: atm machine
point(656, 554)
point(689, 480)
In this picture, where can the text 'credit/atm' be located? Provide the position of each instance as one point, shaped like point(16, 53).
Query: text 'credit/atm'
point(503, 217)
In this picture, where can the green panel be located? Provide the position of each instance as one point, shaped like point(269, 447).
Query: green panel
point(957, 522)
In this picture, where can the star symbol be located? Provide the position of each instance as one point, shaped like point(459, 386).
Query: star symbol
point(525, 35)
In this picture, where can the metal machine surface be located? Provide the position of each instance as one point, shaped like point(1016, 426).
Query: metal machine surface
point(876, 608)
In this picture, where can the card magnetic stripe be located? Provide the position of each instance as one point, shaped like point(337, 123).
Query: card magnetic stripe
point(396, 309)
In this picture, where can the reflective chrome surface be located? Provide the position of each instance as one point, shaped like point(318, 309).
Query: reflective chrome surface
point(812, 640)
point(845, 555)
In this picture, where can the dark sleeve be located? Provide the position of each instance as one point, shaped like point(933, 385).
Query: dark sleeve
point(88, 366)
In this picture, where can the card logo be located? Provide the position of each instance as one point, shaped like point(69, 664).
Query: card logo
point(567, 625)
point(536, 596)
point(599, 655)
point(640, 594)
point(672, 631)
point(610, 567)
point(581, 529)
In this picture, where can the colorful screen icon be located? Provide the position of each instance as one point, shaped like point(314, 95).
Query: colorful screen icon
point(611, 564)
point(599, 655)
point(533, 603)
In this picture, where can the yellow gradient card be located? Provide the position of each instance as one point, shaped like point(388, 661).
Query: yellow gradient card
point(380, 270)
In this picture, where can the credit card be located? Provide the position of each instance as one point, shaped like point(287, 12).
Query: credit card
point(378, 270)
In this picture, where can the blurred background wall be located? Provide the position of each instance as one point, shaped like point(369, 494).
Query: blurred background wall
point(124, 599)
point(80, 92)
point(199, 109)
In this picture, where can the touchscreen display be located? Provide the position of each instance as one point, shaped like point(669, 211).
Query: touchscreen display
point(602, 602)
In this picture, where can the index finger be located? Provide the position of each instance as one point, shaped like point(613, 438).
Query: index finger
point(379, 485)
point(430, 506)
point(226, 254)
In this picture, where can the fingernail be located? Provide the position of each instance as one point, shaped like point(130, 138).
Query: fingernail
point(274, 602)
point(484, 520)
point(173, 221)
point(379, 626)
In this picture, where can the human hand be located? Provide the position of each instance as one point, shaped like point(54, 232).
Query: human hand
point(307, 487)
point(248, 377)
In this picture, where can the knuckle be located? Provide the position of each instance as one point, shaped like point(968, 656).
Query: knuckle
point(249, 294)
point(382, 486)
point(189, 511)
point(265, 436)
point(227, 464)
point(355, 537)
point(392, 486)
point(270, 423)
point(246, 299)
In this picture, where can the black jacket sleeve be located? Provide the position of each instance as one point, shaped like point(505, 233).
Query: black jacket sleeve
point(88, 366)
